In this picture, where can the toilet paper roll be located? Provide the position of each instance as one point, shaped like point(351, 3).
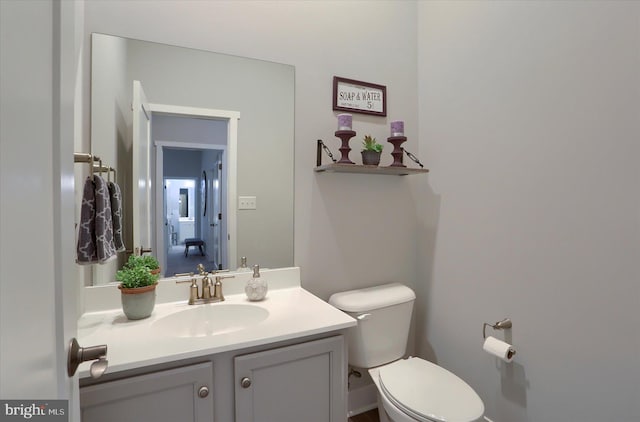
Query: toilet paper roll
point(499, 348)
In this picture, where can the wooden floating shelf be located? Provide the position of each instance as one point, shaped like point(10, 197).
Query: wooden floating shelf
point(357, 168)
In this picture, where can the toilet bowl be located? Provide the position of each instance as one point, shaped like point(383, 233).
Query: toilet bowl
point(412, 389)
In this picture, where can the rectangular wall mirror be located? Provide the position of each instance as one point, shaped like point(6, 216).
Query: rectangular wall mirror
point(222, 123)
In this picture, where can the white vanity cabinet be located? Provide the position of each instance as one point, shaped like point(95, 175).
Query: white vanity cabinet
point(293, 381)
point(180, 394)
point(302, 382)
point(288, 367)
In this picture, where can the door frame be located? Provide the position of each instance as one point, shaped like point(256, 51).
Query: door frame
point(230, 159)
point(215, 203)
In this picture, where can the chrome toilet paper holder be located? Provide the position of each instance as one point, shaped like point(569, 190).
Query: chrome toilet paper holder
point(500, 325)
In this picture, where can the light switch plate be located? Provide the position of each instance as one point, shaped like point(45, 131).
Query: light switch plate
point(247, 203)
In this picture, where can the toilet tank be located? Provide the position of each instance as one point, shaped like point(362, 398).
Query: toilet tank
point(384, 315)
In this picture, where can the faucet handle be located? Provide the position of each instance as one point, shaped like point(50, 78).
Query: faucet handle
point(217, 286)
point(214, 271)
point(192, 281)
point(193, 289)
point(200, 269)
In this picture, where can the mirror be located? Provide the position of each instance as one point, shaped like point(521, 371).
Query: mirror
point(178, 78)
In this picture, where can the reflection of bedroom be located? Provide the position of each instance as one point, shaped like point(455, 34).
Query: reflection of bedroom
point(180, 194)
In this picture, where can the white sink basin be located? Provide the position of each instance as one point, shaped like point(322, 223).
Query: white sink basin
point(210, 319)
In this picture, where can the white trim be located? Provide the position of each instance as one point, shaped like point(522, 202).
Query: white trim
point(232, 180)
point(195, 111)
point(159, 177)
point(362, 399)
point(193, 145)
point(231, 158)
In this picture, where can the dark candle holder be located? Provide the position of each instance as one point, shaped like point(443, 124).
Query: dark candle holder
point(345, 135)
point(397, 150)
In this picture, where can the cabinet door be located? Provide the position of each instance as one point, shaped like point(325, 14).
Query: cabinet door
point(303, 382)
point(171, 395)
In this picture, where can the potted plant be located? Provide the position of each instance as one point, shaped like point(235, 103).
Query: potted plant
point(371, 151)
point(138, 286)
point(148, 261)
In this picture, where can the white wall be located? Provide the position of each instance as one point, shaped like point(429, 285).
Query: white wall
point(529, 121)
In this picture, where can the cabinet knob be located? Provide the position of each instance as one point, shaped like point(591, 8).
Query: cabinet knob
point(245, 382)
point(203, 391)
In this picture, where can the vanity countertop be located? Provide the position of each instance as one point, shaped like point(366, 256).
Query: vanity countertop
point(292, 313)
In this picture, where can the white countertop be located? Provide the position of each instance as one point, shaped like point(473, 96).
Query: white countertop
point(293, 313)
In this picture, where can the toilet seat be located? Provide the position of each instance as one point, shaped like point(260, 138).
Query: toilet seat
point(428, 392)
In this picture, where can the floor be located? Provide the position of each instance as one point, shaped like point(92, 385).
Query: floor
point(369, 416)
point(177, 263)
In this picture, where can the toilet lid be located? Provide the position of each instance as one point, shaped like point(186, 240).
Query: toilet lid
point(428, 392)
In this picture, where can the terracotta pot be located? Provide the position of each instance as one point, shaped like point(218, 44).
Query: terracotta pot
point(370, 158)
point(138, 303)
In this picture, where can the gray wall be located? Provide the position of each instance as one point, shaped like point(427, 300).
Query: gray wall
point(188, 130)
point(527, 113)
point(529, 121)
point(182, 164)
point(263, 94)
point(39, 53)
point(341, 221)
point(261, 91)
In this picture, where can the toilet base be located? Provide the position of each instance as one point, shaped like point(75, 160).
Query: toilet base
point(387, 412)
point(382, 413)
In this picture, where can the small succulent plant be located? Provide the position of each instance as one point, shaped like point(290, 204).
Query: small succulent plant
point(370, 144)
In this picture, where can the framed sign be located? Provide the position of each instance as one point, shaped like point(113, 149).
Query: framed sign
point(359, 97)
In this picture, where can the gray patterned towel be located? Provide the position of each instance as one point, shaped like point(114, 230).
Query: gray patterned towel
point(86, 252)
point(95, 236)
point(104, 221)
point(116, 214)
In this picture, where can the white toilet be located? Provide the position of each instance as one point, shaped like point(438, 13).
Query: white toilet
point(410, 389)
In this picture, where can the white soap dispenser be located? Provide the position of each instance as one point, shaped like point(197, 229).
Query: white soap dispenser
point(243, 265)
point(256, 288)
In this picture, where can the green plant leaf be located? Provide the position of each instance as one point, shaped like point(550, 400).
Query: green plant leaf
point(137, 272)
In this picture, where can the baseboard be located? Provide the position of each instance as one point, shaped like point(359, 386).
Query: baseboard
point(362, 399)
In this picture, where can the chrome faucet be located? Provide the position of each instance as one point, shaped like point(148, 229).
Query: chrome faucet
point(195, 298)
